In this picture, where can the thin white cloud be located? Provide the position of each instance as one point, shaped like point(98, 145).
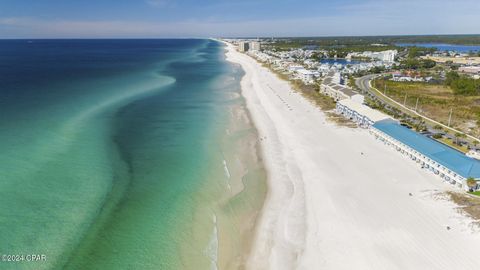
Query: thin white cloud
point(331, 25)
point(15, 21)
point(366, 17)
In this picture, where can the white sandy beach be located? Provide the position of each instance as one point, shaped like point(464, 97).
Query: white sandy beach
point(330, 207)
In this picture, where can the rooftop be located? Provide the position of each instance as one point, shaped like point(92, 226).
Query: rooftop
point(442, 154)
point(364, 110)
point(338, 87)
point(306, 72)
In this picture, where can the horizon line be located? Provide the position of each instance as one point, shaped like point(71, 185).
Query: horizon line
point(232, 37)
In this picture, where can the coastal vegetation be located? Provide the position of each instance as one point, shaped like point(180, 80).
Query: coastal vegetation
point(437, 101)
point(471, 183)
point(312, 93)
point(416, 51)
point(454, 143)
point(377, 70)
point(415, 64)
point(470, 205)
point(324, 102)
point(446, 39)
point(412, 60)
point(462, 85)
point(384, 40)
point(340, 46)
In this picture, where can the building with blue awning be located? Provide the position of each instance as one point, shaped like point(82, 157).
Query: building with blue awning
point(448, 163)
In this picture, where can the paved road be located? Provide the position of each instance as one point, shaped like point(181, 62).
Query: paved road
point(364, 84)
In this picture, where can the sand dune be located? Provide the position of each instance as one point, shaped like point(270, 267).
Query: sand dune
point(331, 207)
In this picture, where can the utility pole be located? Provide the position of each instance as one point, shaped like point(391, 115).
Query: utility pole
point(405, 100)
point(450, 117)
point(416, 105)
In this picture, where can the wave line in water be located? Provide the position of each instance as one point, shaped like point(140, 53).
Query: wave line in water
point(212, 247)
point(225, 167)
point(68, 132)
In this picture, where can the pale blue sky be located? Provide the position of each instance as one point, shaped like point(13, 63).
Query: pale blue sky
point(206, 18)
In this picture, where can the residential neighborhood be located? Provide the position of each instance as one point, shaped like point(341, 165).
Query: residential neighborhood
point(333, 79)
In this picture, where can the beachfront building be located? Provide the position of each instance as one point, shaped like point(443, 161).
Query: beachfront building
point(294, 67)
point(254, 46)
point(336, 77)
point(449, 164)
point(243, 46)
point(363, 115)
point(307, 76)
point(337, 92)
point(331, 87)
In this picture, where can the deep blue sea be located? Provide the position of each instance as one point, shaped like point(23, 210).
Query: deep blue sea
point(444, 47)
point(114, 154)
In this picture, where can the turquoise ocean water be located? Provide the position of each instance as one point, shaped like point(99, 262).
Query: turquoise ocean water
point(125, 154)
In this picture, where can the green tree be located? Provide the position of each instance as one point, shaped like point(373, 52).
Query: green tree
point(471, 183)
point(462, 85)
point(377, 70)
point(412, 63)
point(438, 127)
point(427, 63)
point(413, 52)
point(451, 77)
point(419, 51)
point(457, 135)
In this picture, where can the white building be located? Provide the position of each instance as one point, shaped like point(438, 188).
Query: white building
point(307, 76)
point(243, 46)
point(336, 78)
point(294, 68)
point(255, 46)
point(385, 56)
point(331, 87)
point(337, 92)
point(449, 164)
point(361, 114)
point(388, 56)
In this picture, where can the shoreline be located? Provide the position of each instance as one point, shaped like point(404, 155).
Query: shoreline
point(242, 179)
point(325, 183)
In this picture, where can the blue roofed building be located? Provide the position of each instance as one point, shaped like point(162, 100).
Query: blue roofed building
point(448, 163)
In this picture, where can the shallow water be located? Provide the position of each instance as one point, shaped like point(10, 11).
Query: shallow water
point(114, 155)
